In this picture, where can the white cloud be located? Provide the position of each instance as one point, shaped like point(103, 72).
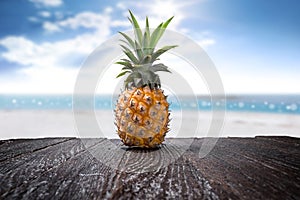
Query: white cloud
point(47, 3)
point(51, 27)
point(45, 14)
point(120, 23)
point(89, 20)
point(206, 42)
point(33, 19)
point(26, 52)
point(86, 20)
point(108, 10)
point(20, 50)
point(58, 15)
point(121, 6)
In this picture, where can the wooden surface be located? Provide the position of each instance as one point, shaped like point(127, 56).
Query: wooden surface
point(69, 168)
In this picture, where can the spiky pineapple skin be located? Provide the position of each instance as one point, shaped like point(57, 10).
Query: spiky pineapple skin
point(142, 117)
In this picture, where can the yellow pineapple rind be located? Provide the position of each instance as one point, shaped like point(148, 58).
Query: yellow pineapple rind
point(142, 117)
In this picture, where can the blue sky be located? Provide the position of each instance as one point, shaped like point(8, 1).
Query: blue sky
point(254, 44)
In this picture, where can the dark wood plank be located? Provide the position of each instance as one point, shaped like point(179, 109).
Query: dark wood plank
point(283, 155)
point(22, 170)
point(246, 170)
point(2, 142)
point(14, 148)
point(94, 179)
point(237, 168)
point(282, 139)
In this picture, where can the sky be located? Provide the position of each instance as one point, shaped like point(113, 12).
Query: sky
point(254, 44)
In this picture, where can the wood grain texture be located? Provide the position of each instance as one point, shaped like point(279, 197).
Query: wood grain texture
point(70, 168)
point(14, 148)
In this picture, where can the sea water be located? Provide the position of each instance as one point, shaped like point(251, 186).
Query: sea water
point(289, 104)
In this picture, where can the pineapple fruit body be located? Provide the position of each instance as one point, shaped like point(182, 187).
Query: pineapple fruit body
point(142, 117)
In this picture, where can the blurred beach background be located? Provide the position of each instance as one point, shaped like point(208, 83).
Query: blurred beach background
point(254, 45)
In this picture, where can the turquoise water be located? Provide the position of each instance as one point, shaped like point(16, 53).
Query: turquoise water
point(254, 103)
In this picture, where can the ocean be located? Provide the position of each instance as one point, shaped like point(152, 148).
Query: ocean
point(289, 104)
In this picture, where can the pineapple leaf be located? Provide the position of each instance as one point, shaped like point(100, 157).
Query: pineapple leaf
point(129, 20)
point(147, 31)
point(138, 82)
point(155, 37)
point(125, 68)
point(130, 79)
point(130, 41)
point(156, 81)
point(125, 48)
point(125, 60)
point(130, 54)
point(146, 43)
point(146, 77)
point(139, 51)
point(151, 79)
point(147, 27)
point(126, 64)
point(137, 28)
point(158, 32)
point(141, 54)
point(122, 73)
point(159, 67)
point(157, 53)
point(131, 57)
point(147, 59)
point(125, 42)
point(163, 28)
point(165, 25)
point(146, 38)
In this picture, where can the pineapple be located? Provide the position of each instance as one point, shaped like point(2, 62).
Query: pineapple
point(142, 110)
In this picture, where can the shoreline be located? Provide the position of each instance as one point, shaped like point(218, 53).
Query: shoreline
point(60, 123)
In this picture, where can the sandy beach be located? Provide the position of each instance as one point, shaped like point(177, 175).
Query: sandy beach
point(61, 123)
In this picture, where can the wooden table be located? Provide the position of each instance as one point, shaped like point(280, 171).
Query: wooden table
point(70, 168)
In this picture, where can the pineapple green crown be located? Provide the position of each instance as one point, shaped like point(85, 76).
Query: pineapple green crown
point(142, 55)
